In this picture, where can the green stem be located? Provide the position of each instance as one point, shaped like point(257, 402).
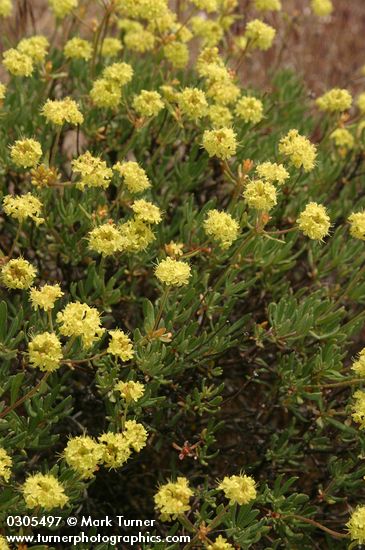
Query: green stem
point(15, 241)
point(161, 308)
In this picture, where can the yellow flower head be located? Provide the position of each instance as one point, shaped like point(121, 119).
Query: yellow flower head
point(322, 8)
point(116, 449)
point(45, 352)
point(106, 239)
point(140, 41)
point(250, 109)
point(78, 48)
point(260, 195)
point(111, 47)
point(146, 211)
point(206, 5)
point(136, 235)
point(144, 9)
point(17, 63)
point(223, 92)
point(221, 143)
point(61, 8)
point(5, 465)
point(26, 153)
point(267, 5)
point(314, 221)
point(130, 391)
point(174, 249)
point(45, 297)
point(358, 407)
point(335, 101)
point(219, 115)
point(18, 274)
point(357, 228)
point(135, 435)
point(148, 103)
point(3, 542)
point(106, 93)
point(78, 319)
point(356, 525)
point(172, 499)
point(22, 207)
point(35, 46)
point(359, 365)
point(211, 31)
point(83, 455)
point(177, 53)
point(120, 345)
point(173, 272)
point(259, 35)
point(206, 58)
point(220, 543)
point(135, 177)
point(299, 149)
point(6, 7)
point(238, 489)
point(59, 111)
point(272, 172)
point(343, 138)
point(193, 103)
point(120, 73)
point(2, 92)
point(93, 171)
point(222, 227)
point(44, 491)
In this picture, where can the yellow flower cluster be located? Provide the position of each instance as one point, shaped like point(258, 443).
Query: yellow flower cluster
point(146, 211)
point(120, 345)
point(267, 5)
point(259, 35)
point(93, 171)
point(45, 352)
point(172, 499)
point(78, 319)
point(26, 153)
point(356, 525)
point(360, 102)
point(111, 47)
point(222, 227)
point(5, 464)
point(148, 103)
point(140, 40)
point(206, 5)
point(61, 8)
point(130, 391)
point(322, 8)
point(193, 103)
point(83, 455)
point(357, 227)
point(45, 297)
point(219, 116)
point(260, 195)
point(106, 239)
point(135, 177)
point(59, 111)
point(44, 491)
point(106, 93)
point(6, 7)
point(299, 149)
point(272, 172)
point(23, 207)
point(220, 142)
point(343, 138)
point(314, 221)
point(136, 235)
point(18, 274)
point(220, 543)
point(78, 48)
point(359, 408)
point(250, 109)
point(335, 101)
point(238, 489)
point(35, 47)
point(17, 63)
point(177, 53)
point(117, 448)
point(173, 272)
point(135, 434)
point(359, 365)
point(121, 73)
